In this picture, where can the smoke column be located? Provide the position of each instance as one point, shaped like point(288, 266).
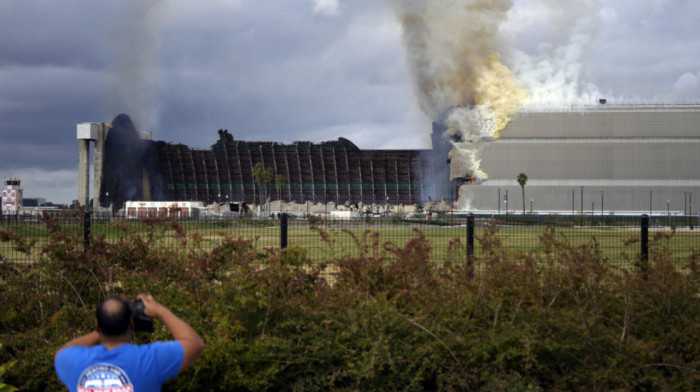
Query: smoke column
point(553, 71)
point(135, 46)
point(457, 71)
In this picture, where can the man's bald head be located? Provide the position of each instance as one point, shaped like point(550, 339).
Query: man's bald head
point(113, 317)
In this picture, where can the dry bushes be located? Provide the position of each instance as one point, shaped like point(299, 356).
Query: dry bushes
point(557, 318)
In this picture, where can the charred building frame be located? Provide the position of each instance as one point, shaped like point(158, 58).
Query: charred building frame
point(130, 168)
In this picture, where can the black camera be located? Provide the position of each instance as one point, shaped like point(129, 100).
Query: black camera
point(142, 322)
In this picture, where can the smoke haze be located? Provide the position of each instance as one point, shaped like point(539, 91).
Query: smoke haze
point(466, 61)
point(134, 37)
point(553, 71)
point(326, 7)
point(452, 50)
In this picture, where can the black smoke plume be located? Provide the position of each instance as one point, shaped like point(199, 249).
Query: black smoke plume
point(128, 171)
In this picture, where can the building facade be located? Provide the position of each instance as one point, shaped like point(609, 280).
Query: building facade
point(594, 160)
point(11, 196)
point(602, 159)
point(131, 168)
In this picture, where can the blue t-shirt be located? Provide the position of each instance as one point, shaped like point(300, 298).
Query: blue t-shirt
point(126, 368)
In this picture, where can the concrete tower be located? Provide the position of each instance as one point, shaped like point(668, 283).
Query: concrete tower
point(86, 132)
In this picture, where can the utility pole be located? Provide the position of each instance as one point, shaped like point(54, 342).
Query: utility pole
point(685, 206)
point(499, 201)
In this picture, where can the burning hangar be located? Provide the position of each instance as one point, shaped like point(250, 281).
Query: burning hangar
point(130, 166)
point(598, 159)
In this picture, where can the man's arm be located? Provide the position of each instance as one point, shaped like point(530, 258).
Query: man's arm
point(192, 344)
point(91, 338)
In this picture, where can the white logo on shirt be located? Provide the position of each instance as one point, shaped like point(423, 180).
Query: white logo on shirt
point(103, 377)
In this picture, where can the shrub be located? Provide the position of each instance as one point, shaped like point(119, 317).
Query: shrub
point(382, 317)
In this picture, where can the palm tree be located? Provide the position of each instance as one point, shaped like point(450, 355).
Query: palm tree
point(280, 181)
point(263, 176)
point(522, 180)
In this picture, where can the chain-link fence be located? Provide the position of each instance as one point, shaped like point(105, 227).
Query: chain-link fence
point(619, 239)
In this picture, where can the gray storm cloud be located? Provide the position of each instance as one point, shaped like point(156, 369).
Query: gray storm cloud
point(135, 44)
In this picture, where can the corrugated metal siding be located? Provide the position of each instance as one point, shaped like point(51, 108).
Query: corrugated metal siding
point(621, 122)
point(640, 158)
point(598, 159)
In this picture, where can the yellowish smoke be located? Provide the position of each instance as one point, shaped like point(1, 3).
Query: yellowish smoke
point(498, 90)
point(451, 47)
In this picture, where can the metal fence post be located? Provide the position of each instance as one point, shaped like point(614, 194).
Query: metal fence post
point(645, 239)
point(87, 223)
point(283, 230)
point(470, 243)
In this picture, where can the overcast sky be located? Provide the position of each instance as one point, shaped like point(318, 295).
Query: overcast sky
point(288, 70)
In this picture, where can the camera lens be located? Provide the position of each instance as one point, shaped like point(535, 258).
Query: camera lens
point(142, 322)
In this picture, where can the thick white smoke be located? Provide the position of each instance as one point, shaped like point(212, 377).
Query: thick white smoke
point(553, 71)
point(135, 45)
point(326, 7)
point(452, 46)
point(686, 88)
point(458, 51)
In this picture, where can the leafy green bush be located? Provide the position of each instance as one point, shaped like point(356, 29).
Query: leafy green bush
point(384, 317)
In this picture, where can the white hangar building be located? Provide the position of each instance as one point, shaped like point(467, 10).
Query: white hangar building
point(601, 159)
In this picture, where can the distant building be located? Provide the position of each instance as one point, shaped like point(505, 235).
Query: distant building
point(153, 209)
point(11, 196)
point(33, 201)
point(129, 167)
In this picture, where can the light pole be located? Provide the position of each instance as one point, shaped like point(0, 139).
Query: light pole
point(498, 201)
point(690, 209)
point(581, 200)
point(506, 201)
point(650, 202)
point(685, 206)
point(668, 212)
point(602, 203)
point(573, 197)
point(530, 206)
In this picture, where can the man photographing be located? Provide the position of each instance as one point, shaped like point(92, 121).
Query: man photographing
point(105, 360)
